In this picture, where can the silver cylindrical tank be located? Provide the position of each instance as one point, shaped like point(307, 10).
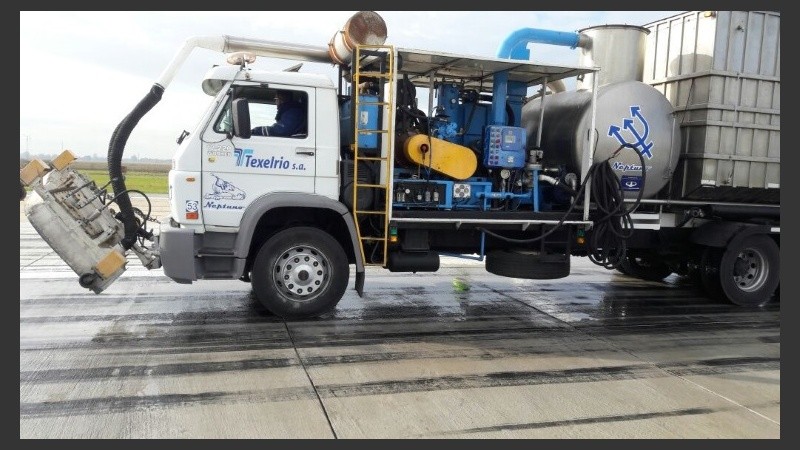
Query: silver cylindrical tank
point(628, 112)
point(617, 49)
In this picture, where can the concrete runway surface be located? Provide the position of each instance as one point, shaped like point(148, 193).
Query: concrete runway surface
point(456, 354)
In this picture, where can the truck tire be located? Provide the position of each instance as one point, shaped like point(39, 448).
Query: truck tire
point(749, 270)
point(527, 264)
point(644, 267)
point(300, 272)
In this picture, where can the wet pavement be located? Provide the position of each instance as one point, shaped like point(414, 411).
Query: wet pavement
point(456, 354)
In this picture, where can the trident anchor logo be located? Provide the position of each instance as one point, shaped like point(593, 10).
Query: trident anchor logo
point(640, 140)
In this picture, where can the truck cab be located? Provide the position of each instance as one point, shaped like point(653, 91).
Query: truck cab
point(230, 190)
point(222, 173)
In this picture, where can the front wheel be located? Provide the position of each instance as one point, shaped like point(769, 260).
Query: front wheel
point(300, 272)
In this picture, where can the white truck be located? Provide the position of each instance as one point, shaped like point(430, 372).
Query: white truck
point(489, 172)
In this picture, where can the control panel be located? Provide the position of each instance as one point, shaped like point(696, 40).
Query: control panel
point(504, 147)
point(436, 194)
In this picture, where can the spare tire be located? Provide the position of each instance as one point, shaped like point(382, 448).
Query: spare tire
point(529, 264)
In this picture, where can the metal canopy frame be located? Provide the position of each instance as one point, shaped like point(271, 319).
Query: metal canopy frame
point(477, 72)
point(424, 68)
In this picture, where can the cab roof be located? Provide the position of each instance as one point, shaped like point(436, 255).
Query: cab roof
point(218, 76)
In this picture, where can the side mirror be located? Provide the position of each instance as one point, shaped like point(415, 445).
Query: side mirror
point(241, 118)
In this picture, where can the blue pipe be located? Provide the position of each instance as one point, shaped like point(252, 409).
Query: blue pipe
point(499, 94)
point(515, 47)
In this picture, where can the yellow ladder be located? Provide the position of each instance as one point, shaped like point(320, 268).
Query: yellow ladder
point(373, 237)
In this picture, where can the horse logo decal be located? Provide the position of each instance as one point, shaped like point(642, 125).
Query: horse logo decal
point(222, 189)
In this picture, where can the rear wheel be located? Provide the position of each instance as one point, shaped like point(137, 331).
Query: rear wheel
point(750, 270)
point(300, 272)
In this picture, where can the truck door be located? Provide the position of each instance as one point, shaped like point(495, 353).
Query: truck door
point(237, 171)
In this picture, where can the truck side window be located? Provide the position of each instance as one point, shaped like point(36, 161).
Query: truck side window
point(275, 113)
point(261, 114)
point(224, 123)
point(289, 118)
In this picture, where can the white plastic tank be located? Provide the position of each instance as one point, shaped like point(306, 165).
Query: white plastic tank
point(628, 112)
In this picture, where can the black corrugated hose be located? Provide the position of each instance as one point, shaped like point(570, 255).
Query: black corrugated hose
point(116, 148)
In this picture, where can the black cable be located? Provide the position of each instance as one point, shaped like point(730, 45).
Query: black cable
point(471, 115)
point(557, 226)
point(372, 257)
point(146, 218)
point(607, 243)
point(608, 240)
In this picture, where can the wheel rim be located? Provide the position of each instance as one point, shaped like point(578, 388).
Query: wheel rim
point(750, 270)
point(301, 273)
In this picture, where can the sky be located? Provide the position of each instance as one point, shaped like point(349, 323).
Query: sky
point(82, 72)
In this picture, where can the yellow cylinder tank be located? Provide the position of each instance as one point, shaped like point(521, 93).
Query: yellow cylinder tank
point(444, 157)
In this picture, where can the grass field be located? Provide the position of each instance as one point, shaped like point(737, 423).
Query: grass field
point(147, 182)
point(148, 178)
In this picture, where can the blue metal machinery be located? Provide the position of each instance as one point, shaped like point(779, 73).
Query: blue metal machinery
point(367, 114)
point(508, 175)
point(463, 118)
